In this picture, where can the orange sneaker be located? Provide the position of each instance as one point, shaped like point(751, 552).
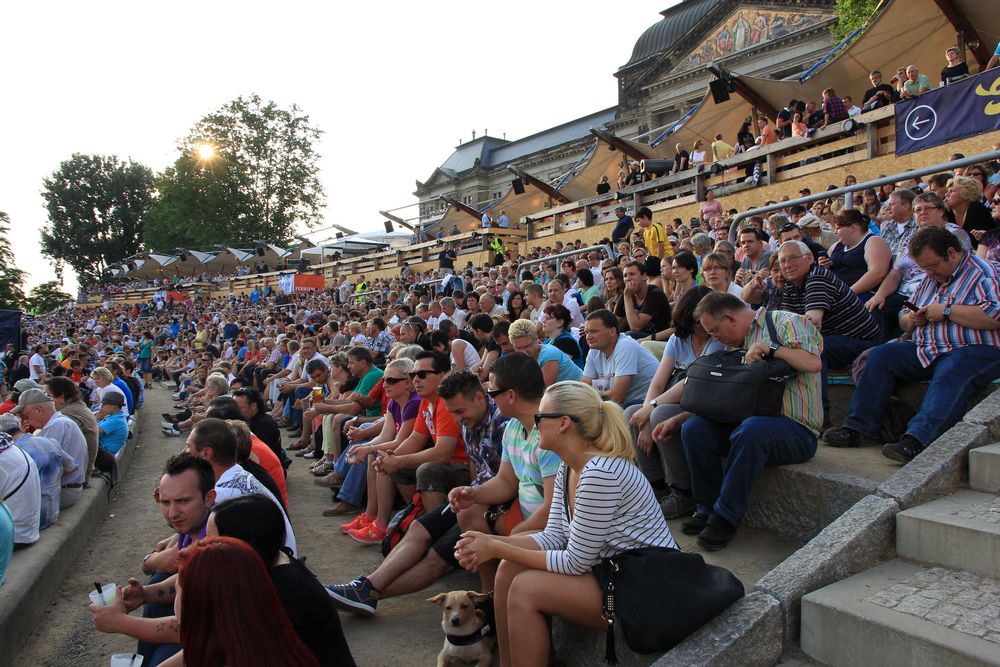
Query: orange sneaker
point(360, 521)
point(373, 533)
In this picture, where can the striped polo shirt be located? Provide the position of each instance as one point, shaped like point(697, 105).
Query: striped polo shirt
point(843, 313)
point(975, 282)
point(802, 400)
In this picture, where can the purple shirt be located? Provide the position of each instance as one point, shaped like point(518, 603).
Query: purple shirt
point(406, 413)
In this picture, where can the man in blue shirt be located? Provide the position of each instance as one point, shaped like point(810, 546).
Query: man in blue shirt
point(112, 426)
point(624, 226)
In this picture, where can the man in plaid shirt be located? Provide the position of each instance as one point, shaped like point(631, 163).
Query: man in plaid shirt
point(380, 341)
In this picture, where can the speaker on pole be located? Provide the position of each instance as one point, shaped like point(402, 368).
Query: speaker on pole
point(720, 91)
point(388, 226)
point(518, 186)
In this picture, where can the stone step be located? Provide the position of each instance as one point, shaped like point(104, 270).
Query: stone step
point(899, 614)
point(960, 531)
point(984, 468)
point(800, 500)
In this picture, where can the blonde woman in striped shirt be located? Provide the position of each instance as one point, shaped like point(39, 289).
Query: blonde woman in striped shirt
point(602, 505)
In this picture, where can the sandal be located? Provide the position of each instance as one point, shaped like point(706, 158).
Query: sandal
point(298, 444)
point(325, 468)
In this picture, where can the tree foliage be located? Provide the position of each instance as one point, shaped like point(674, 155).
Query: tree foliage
point(261, 181)
point(851, 15)
point(47, 297)
point(11, 277)
point(96, 207)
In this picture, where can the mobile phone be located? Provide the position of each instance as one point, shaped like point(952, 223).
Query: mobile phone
point(909, 305)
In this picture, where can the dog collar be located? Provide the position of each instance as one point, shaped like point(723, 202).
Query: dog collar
point(464, 640)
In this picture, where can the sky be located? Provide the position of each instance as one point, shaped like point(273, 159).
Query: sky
point(393, 85)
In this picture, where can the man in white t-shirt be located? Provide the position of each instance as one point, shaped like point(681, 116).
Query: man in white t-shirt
point(617, 366)
point(36, 365)
point(214, 440)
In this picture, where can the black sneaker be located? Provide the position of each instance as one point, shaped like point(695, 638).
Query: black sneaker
point(846, 437)
point(355, 596)
point(717, 533)
point(903, 451)
point(695, 524)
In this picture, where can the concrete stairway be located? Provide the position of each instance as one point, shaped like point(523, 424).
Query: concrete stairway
point(938, 604)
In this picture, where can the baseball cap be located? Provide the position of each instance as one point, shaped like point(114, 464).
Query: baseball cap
point(113, 398)
point(30, 397)
point(25, 384)
point(808, 220)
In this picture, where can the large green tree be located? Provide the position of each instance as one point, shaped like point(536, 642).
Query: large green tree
point(247, 171)
point(47, 297)
point(96, 207)
point(11, 277)
point(852, 14)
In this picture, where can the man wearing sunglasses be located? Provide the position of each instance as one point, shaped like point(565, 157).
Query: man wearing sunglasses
point(432, 460)
point(518, 497)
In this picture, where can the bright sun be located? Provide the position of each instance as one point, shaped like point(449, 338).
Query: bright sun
point(206, 151)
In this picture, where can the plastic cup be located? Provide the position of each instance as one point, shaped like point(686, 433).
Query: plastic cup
point(108, 595)
point(125, 659)
point(317, 394)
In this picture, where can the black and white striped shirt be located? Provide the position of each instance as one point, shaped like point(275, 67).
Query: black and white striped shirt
point(615, 510)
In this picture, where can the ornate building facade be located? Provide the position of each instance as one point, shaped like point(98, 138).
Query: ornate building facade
point(664, 78)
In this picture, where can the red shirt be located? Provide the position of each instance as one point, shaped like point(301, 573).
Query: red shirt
point(436, 421)
point(269, 462)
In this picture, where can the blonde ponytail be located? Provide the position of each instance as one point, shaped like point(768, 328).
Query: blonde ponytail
point(601, 423)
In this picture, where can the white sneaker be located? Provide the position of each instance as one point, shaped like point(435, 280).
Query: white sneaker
point(171, 432)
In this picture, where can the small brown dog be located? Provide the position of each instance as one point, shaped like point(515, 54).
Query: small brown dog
point(462, 624)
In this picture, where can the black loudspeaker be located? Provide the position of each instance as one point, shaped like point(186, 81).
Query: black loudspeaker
point(720, 92)
point(388, 226)
point(518, 186)
point(183, 257)
point(655, 166)
point(260, 250)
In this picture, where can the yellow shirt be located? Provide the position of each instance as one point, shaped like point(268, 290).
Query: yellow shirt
point(652, 236)
point(721, 149)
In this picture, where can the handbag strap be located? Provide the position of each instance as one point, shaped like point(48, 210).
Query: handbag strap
point(608, 613)
point(27, 474)
point(771, 330)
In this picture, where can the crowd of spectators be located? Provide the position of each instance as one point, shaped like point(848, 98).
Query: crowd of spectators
point(532, 407)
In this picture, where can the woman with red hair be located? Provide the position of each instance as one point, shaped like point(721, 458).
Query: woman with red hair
point(229, 612)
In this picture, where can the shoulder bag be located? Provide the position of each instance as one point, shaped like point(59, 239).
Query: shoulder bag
point(722, 387)
point(659, 596)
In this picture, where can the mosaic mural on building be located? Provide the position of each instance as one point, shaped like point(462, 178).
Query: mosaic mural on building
point(747, 28)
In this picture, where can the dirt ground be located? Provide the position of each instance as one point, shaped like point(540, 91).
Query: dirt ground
point(406, 630)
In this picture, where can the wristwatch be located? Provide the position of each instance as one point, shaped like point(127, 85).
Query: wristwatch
point(946, 313)
point(652, 403)
point(772, 348)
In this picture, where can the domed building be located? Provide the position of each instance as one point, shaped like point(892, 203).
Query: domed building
point(664, 78)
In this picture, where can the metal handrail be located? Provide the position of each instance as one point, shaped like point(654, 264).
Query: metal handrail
point(602, 246)
point(847, 190)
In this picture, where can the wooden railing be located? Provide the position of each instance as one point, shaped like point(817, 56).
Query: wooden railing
point(785, 160)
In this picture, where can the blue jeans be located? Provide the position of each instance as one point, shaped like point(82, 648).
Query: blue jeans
point(954, 378)
point(355, 479)
point(724, 488)
point(293, 413)
point(838, 352)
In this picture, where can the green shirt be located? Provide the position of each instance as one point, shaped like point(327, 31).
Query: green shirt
point(365, 386)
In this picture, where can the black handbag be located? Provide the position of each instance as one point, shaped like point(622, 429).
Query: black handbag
point(659, 596)
point(722, 387)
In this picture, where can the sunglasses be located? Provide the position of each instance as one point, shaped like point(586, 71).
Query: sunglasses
point(493, 393)
point(996, 200)
point(539, 416)
point(392, 381)
point(423, 374)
